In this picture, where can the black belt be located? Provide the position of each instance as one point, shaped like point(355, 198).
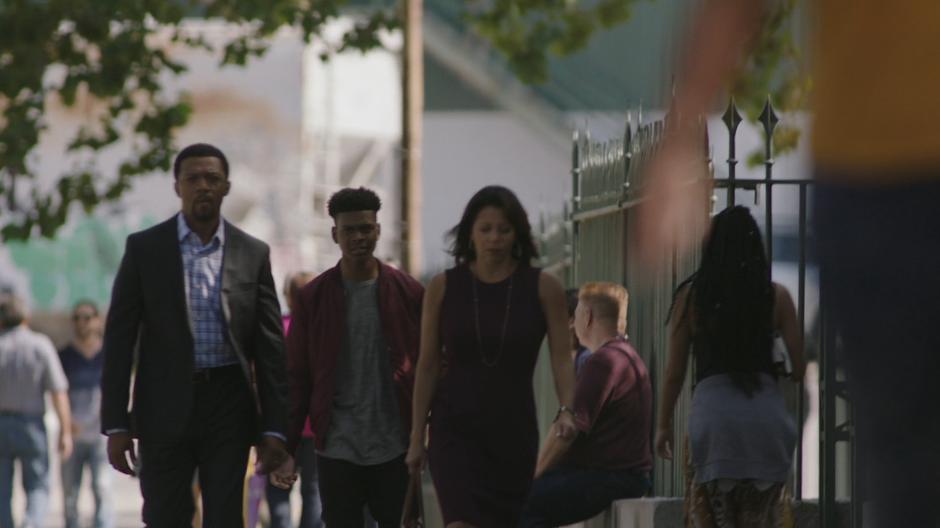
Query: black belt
point(19, 414)
point(206, 375)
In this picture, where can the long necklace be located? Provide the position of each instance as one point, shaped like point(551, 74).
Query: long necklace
point(476, 318)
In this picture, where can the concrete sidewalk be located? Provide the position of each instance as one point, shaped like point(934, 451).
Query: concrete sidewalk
point(125, 498)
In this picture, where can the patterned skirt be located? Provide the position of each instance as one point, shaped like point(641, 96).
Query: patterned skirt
point(728, 503)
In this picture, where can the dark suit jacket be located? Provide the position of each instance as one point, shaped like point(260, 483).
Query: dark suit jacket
point(148, 327)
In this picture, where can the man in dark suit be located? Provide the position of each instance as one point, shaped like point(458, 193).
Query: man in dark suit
point(195, 311)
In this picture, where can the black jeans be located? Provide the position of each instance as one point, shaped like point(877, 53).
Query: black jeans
point(346, 487)
point(565, 495)
point(217, 439)
point(879, 253)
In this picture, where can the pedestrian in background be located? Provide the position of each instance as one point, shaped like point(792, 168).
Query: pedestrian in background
point(82, 362)
point(29, 369)
point(579, 352)
point(278, 499)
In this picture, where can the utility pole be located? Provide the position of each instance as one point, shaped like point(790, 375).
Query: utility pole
point(411, 135)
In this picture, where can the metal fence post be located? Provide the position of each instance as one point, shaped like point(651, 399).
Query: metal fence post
point(768, 118)
point(731, 118)
point(575, 202)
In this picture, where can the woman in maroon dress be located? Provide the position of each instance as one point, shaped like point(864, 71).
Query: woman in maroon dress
point(485, 319)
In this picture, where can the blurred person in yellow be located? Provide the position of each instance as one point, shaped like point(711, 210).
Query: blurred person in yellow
point(876, 153)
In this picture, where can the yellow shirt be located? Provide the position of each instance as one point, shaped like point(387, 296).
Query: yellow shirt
point(877, 86)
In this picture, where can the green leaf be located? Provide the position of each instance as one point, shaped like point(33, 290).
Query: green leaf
point(106, 50)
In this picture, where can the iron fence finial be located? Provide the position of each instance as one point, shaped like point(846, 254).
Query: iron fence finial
point(732, 117)
point(769, 118)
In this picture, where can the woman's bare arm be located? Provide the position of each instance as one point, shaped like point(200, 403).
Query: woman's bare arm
point(676, 366)
point(554, 305)
point(785, 322)
point(428, 369)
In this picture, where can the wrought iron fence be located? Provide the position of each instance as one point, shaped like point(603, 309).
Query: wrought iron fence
point(594, 244)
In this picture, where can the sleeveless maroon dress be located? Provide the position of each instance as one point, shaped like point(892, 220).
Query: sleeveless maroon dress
point(483, 438)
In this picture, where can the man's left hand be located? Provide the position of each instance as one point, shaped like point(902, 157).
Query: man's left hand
point(564, 426)
point(273, 453)
point(65, 444)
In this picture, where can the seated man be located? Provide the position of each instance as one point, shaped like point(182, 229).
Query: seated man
point(610, 458)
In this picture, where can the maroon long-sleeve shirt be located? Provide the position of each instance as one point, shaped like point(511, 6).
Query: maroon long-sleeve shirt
point(316, 338)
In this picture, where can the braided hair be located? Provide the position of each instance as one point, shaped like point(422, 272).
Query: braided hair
point(733, 298)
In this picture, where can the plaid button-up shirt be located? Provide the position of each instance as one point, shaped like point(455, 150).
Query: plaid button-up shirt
point(202, 274)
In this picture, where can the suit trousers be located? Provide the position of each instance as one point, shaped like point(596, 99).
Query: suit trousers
point(216, 440)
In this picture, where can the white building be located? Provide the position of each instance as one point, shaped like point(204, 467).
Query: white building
point(294, 128)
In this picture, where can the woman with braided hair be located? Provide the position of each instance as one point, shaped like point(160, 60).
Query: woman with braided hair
point(741, 438)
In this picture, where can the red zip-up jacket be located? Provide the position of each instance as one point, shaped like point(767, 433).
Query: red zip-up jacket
point(316, 338)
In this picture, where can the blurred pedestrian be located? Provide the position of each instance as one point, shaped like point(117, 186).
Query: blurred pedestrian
point(278, 499)
point(610, 457)
point(488, 316)
point(194, 307)
point(82, 362)
point(29, 368)
point(353, 344)
point(741, 437)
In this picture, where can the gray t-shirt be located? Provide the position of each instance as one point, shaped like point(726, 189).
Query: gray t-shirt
point(29, 367)
point(365, 426)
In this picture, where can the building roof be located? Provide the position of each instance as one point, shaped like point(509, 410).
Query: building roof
point(622, 67)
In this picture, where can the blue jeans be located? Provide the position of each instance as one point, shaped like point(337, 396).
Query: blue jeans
point(279, 499)
point(91, 453)
point(24, 438)
point(566, 496)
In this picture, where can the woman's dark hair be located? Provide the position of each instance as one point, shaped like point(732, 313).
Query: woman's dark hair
point(12, 311)
point(571, 299)
point(732, 297)
point(88, 303)
point(505, 200)
point(199, 150)
point(349, 200)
